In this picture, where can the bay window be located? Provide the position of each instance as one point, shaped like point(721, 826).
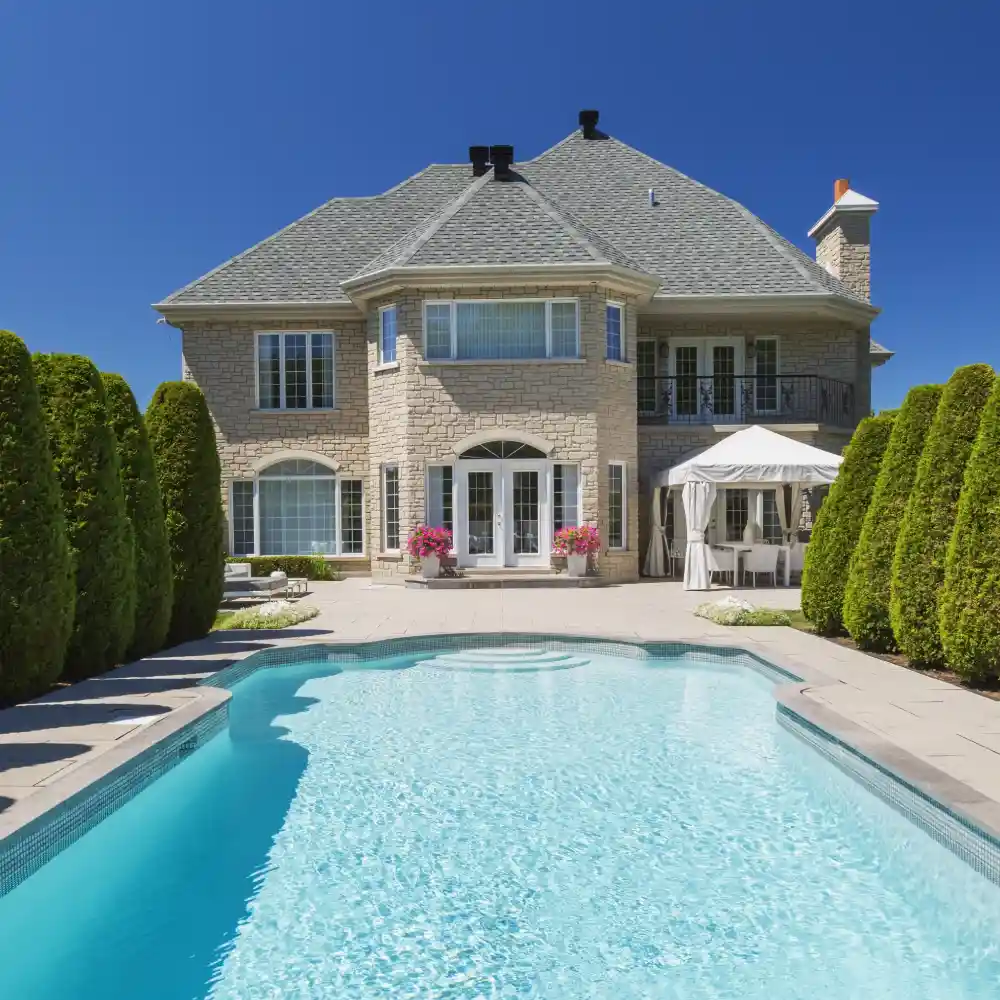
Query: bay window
point(614, 326)
point(387, 335)
point(295, 370)
point(501, 330)
point(296, 507)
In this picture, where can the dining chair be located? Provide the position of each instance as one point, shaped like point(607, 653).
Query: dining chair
point(762, 560)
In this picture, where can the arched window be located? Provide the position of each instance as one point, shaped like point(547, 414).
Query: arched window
point(502, 449)
point(297, 507)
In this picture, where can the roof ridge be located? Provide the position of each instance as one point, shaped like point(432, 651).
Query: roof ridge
point(291, 225)
point(555, 213)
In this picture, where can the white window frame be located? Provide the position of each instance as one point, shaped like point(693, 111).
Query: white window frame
point(338, 477)
point(453, 323)
point(552, 491)
point(382, 498)
point(381, 341)
point(624, 546)
point(427, 491)
point(281, 334)
point(777, 372)
point(620, 306)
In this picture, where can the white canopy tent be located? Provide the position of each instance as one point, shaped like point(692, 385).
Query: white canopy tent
point(754, 456)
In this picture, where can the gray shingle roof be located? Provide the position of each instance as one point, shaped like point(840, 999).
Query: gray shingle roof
point(499, 223)
point(584, 200)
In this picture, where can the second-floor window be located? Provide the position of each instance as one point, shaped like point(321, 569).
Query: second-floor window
point(508, 330)
point(387, 335)
point(295, 370)
point(614, 325)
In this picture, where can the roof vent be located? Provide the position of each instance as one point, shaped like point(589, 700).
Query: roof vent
point(479, 157)
point(501, 157)
point(588, 122)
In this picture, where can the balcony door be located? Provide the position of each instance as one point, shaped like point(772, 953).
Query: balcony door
point(706, 376)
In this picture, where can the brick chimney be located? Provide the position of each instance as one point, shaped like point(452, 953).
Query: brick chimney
point(843, 240)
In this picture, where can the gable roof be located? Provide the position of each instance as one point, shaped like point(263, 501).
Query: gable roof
point(583, 200)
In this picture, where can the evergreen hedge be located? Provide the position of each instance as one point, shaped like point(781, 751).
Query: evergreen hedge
point(838, 525)
point(86, 460)
point(144, 505)
point(922, 546)
point(187, 465)
point(866, 600)
point(970, 601)
point(36, 569)
point(307, 567)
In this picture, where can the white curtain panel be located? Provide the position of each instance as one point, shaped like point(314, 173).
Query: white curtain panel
point(796, 508)
point(657, 538)
point(698, 499)
point(779, 502)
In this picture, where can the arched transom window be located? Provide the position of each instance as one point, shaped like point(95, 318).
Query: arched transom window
point(297, 507)
point(502, 449)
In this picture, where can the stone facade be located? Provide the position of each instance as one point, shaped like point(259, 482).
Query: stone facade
point(843, 247)
point(414, 412)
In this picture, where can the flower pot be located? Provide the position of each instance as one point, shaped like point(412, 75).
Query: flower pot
point(576, 564)
point(430, 567)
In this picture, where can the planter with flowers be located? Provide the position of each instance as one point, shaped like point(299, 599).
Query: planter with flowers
point(430, 546)
point(577, 544)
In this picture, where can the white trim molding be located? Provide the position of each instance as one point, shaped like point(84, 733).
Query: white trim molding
point(501, 433)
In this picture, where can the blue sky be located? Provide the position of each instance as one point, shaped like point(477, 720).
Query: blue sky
point(144, 144)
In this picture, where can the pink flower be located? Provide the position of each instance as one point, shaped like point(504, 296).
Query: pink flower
point(581, 541)
point(425, 541)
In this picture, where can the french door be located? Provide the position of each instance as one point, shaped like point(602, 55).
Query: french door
point(502, 512)
point(706, 378)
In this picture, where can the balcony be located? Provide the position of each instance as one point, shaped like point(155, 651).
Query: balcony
point(745, 399)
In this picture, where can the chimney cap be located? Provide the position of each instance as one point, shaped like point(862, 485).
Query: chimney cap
point(588, 122)
point(840, 187)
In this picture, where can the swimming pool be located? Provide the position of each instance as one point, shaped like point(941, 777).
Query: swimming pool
point(554, 824)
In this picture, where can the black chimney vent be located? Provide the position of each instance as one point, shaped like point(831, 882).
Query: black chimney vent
point(501, 157)
point(479, 156)
point(588, 121)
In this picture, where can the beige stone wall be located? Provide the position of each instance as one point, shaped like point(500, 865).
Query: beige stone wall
point(843, 247)
point(584, 408)
point(219, 357)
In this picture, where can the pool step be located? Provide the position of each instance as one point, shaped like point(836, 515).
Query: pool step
point(506, 660)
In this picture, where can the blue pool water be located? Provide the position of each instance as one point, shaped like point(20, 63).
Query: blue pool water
point(616, 829)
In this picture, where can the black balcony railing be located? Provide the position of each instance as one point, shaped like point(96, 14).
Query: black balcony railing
point(736, 399)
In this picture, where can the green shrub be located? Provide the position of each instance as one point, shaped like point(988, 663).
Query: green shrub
point(308, 567)
point(36, 570)
point(264, 617)
point(742, 616)
point(866, 600)
point(86, 459)
point(838, 525)
point(187, 466)
point(970, 600)
point(144, 505)
point(922, 546)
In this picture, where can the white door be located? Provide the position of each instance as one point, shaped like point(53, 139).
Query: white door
point(503, 512)
point(478, 535)
point(706, 379)
point(525, 516)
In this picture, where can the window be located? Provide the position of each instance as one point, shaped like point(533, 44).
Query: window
point(387, 335)
point(645, 370)
point(770, 527)
point(501, 331)
point(614, 316)
point(766, 381)
point(352, 517)
point(297, 503)
point(616, 505)
point(295, 371)
point(241, 516)
point(440, 496)
point(390, 508)
point(565, 496)
point(737, 513)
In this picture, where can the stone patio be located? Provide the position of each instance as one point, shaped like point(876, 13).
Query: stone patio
point(52, 747)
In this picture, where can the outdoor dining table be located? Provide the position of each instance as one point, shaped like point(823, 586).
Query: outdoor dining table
point(738, 547)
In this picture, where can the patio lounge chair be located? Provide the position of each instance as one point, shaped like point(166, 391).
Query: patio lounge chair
point(240, 584)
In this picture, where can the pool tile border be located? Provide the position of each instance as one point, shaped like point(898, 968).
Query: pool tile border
point(953, 814)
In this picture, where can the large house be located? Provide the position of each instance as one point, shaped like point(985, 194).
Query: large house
point(509, 347)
